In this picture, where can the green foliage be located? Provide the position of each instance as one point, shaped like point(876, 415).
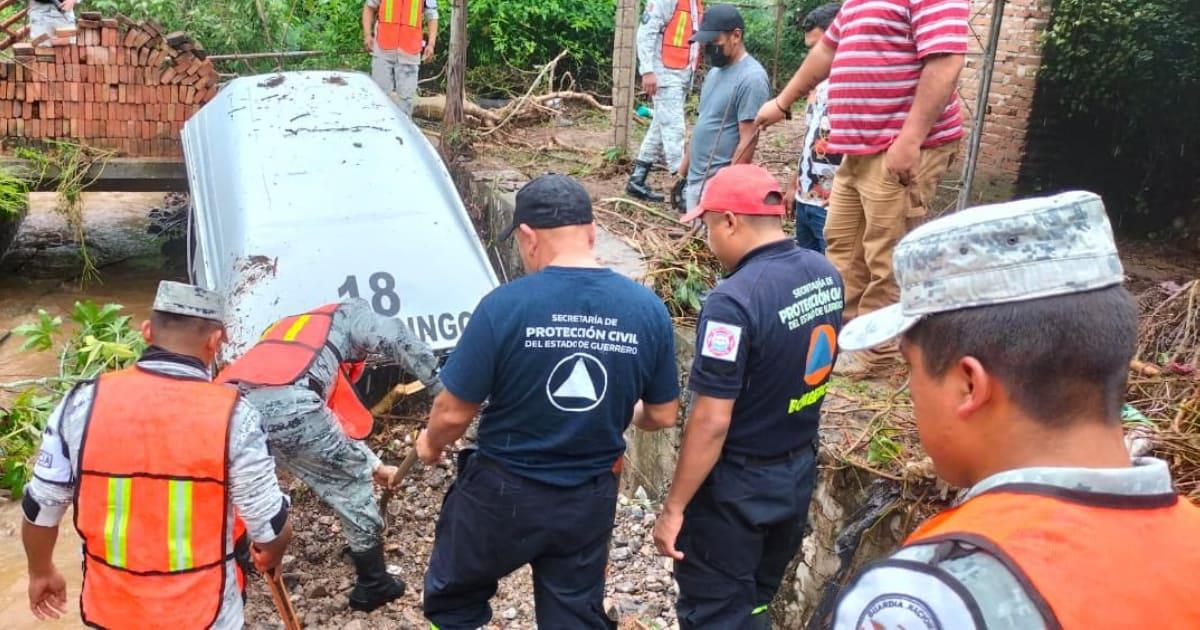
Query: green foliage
point(688, 288)
point(13, 191)
point(102, 339)
point(39, 335)
point(508, 37)
point(1118, 108)
point(883, 449)
point(761, 24)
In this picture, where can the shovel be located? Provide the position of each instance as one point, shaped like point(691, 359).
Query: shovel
point(283, 602)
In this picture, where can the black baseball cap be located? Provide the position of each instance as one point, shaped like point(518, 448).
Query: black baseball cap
point(719, 18)
point(551, 201)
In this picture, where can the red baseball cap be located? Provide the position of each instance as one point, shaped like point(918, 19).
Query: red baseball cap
point(740, 189)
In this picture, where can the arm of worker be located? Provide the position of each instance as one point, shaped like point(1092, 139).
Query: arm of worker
point(815, 69)
point(659, 406)
point(68, 5)
point(902, 592)
point(468, 378)
point(431, 29)
point(47, 496)
point(940, 32)
point(448, 421)
point(372, 333)
point(715, 380)
point(750, 98)
point(254, 489)
point(649, 48)
point(368, 24)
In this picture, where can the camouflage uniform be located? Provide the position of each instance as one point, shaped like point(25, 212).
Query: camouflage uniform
point(305, 436)
point(395, 70)
point(998, 254)
point(44, 18)
point(664, 138)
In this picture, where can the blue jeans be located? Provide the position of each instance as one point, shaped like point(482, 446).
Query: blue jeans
point(810, 226)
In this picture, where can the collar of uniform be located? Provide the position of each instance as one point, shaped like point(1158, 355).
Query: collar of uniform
point(775, 247)
point(162, 361)
point(1147, 476)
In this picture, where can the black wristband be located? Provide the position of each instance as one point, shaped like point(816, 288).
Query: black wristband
point(787, 113)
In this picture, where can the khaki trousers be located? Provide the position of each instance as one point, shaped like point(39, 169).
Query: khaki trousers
point(869, 212)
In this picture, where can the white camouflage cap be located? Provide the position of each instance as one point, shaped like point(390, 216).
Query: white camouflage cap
point(188, 299)
point(1008, 252)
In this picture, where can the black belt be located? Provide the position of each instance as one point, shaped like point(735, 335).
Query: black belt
point(751, 460)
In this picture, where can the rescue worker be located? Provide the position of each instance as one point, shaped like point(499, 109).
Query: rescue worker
point(154, 459)
point(392, 34)
point(736, 511)
point(563, 355)
point(1019, 336)
point(299, 376)
point(667, 57)
point(45, 15)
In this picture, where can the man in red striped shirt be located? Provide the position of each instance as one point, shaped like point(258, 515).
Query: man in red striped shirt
point(893, 66)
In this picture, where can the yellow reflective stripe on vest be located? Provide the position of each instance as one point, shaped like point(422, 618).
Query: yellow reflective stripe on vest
point(116, 520)
point(414, 8)
point(389, 10)
point(179, 525)
point(679, 29)
point(296, 327)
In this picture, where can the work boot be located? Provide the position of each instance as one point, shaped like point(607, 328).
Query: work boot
point(374, 587)
point(637, 186)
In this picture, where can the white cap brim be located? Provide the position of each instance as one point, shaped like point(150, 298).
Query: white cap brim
point(875, 329)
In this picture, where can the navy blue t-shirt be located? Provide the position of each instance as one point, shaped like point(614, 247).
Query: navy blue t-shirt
point(563, 355)
point(767, 337)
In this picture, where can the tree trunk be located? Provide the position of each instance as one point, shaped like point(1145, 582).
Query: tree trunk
point(452, 120)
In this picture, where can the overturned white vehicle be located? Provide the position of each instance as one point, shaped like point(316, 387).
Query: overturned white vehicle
point(309, 187)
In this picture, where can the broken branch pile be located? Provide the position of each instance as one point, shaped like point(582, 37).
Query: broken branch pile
point(1164, 384)
point(110, 83)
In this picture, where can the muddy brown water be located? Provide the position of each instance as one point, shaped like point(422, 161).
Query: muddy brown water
point(41, 272)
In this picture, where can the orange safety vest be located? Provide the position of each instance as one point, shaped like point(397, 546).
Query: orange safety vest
point(151, 505)
point(399, 25)
point(676, 44)
point(1087, 560)
point(285, 353)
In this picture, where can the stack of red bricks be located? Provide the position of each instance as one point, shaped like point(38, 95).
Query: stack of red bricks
point(108, 83)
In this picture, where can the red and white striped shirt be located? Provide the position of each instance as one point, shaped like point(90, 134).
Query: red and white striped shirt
point(879, 47)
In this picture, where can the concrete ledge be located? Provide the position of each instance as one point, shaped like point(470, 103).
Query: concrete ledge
point(116, 175)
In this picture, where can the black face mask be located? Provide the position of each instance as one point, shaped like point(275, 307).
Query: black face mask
point(715, 56)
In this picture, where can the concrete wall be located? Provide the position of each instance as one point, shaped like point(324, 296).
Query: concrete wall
point(1014, 79)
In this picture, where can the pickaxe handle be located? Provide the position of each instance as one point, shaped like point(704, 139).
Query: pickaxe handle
point(283, 602)
point(401, 472)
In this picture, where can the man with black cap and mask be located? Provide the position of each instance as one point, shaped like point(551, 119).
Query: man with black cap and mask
point(735, 87)
point(566, 357)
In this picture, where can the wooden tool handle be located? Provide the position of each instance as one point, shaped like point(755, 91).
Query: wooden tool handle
point(283, 602)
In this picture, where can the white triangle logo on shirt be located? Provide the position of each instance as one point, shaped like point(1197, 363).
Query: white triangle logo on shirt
point(578, 384)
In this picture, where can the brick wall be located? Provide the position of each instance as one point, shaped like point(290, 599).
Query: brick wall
point(108, 83)
point(1014, 80)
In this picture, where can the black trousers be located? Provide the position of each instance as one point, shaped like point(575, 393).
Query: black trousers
point(739, 533)
point(493, 522)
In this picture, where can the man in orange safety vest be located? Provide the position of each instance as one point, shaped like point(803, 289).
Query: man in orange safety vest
point(155, 458)
point(392, 33)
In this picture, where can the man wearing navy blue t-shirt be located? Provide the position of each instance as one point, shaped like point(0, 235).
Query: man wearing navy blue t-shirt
point(566, 358)
point(765, 345)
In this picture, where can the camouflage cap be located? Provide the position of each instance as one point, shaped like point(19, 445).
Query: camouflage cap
point(188, 299)
point(1008, 252)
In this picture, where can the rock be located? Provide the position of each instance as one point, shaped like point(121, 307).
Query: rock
point(640, 494)
point(625, 587)
point(325, 520)
point(620, 554)
point(393, 569)
point(637, 512)
point(318, 591)
point(312, 619)
point(354, 624)
point(620, 541)
point(510, 614)
point(289, 559)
